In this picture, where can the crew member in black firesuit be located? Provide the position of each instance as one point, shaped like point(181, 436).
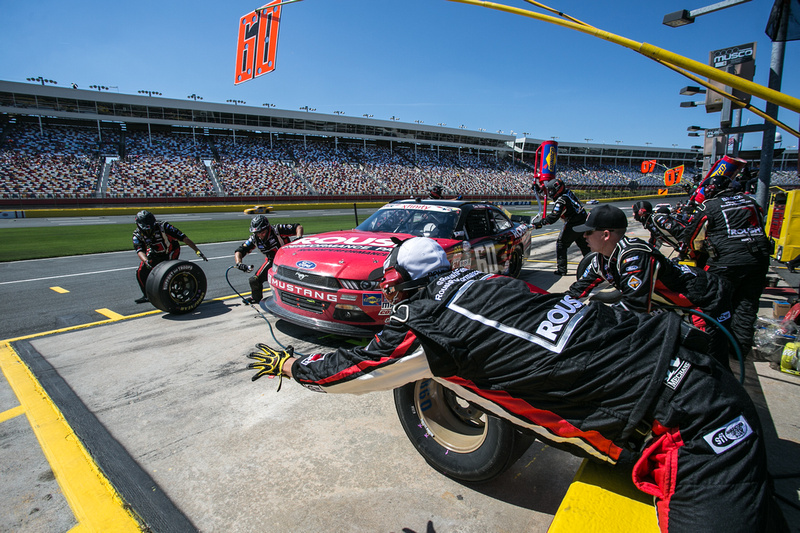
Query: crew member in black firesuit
point(727, 236)
point(567, 206)
point(268, 239)
point(663, 228)
point(156, 241)
point(648, 280)
point(600, 381)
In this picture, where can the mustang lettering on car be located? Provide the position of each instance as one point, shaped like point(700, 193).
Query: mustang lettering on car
point(330, 282)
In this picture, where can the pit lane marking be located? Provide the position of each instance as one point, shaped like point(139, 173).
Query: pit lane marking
point(59, 290)
point(110, 314)
point(94, 502)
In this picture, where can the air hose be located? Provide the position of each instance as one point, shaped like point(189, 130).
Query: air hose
point(733, 342)
point(255, 306)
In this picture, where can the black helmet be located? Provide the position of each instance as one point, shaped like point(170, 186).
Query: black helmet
point(715, 184)
point(259, 224)
point(145, 221)
point(641, 210)
point(555, 188)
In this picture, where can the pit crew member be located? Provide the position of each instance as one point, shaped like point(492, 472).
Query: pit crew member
point(727, 235)
point(663, 227)
point(648, 280)
point(600, 381)
point(156, 241)
point(267, 238)
point(567, 206)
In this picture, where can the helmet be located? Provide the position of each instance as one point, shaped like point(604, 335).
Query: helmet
point(719, 177)
point(409, 266)
point(715, 185)
point(641, 210)
point(555, 188)
point(259, 224)
point(436, 192)
point(145, 221)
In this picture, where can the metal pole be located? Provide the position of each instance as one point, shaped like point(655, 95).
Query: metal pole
point(768, 139)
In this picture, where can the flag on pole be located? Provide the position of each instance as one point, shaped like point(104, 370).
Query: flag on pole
point(787, 11)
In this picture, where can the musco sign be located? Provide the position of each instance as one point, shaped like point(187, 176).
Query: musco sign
point(739, 60)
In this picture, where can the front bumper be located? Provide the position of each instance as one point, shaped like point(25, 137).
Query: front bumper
point(346, 330)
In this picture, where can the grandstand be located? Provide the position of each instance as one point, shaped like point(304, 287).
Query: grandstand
point(68, 145)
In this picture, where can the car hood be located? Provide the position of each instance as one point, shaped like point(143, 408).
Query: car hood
point(350, 254)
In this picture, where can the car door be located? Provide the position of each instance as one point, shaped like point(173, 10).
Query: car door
point(483, 240)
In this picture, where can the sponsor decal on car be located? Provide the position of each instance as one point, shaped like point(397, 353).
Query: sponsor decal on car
point(727, 437)
point(372, 299)
point(306, 265)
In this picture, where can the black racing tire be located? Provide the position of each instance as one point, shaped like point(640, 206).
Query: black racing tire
point(454, 437)
point(584, 264)
point(176, 286)
point(515, 264)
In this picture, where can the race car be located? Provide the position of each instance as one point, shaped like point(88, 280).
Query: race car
point(258, 210)
point(330, 281)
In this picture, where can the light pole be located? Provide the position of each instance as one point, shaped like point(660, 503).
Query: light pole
point(307, 109)
point(393, 118)
point(443, 124)
point(339, 112)
point(42, 80)
point(268, 105)
point(367, 115)
point(419, 121)
point(195, 97)
point(684, 17)
point(235, 102)
point(150, 93)
point(99, 87)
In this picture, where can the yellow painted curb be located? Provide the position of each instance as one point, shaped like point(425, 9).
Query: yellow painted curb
point(602, 499)
point(95, 503)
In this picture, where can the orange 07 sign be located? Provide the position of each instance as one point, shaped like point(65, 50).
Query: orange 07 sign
point(673, 176)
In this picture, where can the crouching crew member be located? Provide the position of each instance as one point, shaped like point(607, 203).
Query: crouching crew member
point(267, 238)
point(155, 242)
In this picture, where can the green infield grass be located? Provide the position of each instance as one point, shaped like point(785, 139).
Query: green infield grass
point(36, 243)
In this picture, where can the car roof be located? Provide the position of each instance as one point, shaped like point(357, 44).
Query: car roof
point(446, 203)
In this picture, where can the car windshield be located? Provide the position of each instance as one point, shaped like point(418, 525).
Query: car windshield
point(421, 220)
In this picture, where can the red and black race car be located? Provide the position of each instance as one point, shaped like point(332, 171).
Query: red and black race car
point(330, 281)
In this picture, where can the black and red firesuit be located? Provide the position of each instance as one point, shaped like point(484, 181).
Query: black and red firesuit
point(277, 235)
point(649, 281)
point(603, 382)
point(567, 207)
point(161, 243)
point(727, 233)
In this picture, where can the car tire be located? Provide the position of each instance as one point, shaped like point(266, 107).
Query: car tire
point(176, 286)
point(515, 264)
point(454, 437)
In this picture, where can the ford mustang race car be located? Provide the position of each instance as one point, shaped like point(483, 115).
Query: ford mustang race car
point(330, 281)
point(258, 210)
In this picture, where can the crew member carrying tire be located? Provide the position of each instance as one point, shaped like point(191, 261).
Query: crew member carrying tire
point(155, 242)
point(567, 206)
point(268, 239)
point(600, 381)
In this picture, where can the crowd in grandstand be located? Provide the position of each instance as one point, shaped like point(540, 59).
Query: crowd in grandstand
point(58, 161)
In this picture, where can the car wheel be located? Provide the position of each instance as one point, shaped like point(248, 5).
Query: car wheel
point(515, 265)
point(176, 286)
point(454, 437)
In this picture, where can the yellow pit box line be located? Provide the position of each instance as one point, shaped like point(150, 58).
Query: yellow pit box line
point(95, 503)
point(602, 499)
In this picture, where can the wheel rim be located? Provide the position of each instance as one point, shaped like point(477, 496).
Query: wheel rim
point(183, 288)
point(449, 420)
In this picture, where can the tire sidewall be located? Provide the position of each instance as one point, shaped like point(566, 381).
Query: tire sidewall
point(502, 445)
point(163, 274)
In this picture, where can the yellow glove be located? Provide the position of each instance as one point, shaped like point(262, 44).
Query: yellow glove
point(269, 362)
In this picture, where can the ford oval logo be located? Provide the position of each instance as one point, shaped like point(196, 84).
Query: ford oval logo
point(308, 265)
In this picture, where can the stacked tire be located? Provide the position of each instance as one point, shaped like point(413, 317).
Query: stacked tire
point(176, 286)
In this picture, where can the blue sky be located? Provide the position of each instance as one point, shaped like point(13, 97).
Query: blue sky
point(429, 60)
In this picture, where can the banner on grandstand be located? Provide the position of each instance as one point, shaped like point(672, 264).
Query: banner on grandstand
point(258, 41)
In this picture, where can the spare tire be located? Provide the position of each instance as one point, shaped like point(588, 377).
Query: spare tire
point(176, 286)
point(455, 437)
